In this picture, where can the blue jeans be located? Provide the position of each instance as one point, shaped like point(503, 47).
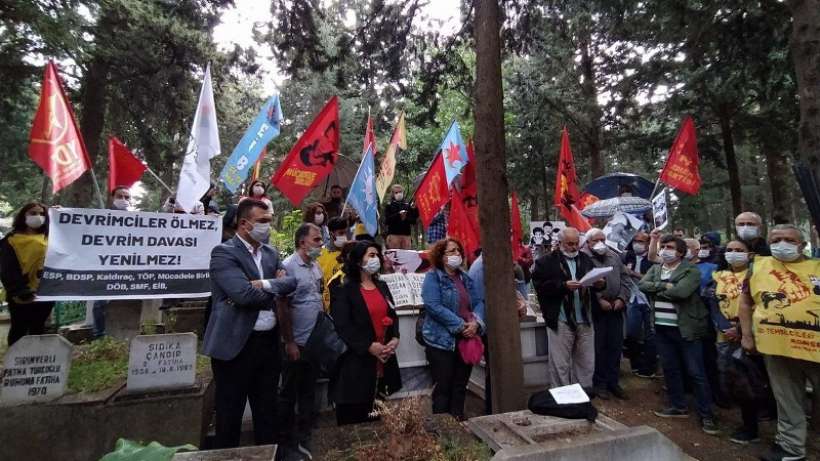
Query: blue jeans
point(99, 317)
point(677, 353)
point(640, 338)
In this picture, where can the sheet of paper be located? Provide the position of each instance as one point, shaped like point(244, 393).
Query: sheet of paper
point(573, 393)
point(594, 275)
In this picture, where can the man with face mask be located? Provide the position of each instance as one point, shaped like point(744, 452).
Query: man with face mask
point(399, 218)
point(779, 309)
point(242, 337)
point(608, 316)
point(749, 227)
point(640, 333)
point(567, 309)
point(299, 375)
point(120, 200)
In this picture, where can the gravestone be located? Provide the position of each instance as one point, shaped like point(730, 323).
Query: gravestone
point(35, 369)
point(162, 362)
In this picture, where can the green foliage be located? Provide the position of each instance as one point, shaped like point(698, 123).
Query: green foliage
point(282, 238)
point(98, 365)
point(459, 450)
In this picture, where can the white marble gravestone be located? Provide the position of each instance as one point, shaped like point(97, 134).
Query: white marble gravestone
point(35, 369)
point(162, 362)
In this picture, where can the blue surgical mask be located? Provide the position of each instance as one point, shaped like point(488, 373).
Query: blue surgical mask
point(785, 251)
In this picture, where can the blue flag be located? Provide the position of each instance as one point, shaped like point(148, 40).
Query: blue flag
point(454, 152)
point(264, 128)
point(362, 196)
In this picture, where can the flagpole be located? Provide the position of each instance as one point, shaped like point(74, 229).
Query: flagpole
point(148, 169)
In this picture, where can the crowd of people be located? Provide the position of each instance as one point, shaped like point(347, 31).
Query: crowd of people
point(670, 304)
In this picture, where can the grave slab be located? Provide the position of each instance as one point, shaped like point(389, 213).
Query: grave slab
point(35, 369)
point(162, 362)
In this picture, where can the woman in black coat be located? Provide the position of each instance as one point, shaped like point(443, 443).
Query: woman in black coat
point(362, 309)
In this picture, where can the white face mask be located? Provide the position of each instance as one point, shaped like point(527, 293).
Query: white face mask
point(261, 232)
point(703, 254)
point(339, 242)
point(690, 254)
point(35, 221)
point(599, 248)
point(785, 251)
point(318, 219)
point(639, 248)
point(399, 196)
point(258, 190)
point(454, 261)
point(748, 232)
point(120, 203)
point(668, 255)
point(372, 266)
point(736, 258)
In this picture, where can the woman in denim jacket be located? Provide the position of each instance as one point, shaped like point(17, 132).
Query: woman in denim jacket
point(454, 310)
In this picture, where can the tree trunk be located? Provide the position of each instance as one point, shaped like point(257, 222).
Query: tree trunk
point(534, 212)
point(505, 367)
point(731, 161)
point(805, 48)
point(594, 114)
point(776, 170)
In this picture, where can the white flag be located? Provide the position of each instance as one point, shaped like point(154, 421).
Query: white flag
point(203, 145)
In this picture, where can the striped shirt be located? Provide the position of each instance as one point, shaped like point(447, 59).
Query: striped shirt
point(666, 313)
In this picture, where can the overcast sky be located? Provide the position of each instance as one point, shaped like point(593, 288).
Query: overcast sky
point(237, 25)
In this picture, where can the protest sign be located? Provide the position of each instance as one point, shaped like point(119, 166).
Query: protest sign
point(110, 254)
point(660, 211)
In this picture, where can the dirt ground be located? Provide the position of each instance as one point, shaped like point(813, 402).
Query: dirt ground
point(647, 396)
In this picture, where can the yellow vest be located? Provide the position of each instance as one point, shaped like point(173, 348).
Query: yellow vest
point(727, 292)
point(329, 266)
point(326, 293)
point(787, 307)
point(31, 254)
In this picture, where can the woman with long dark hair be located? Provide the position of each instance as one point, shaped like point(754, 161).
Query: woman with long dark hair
point(362, 310)
point(453, 322)
point(22, 256)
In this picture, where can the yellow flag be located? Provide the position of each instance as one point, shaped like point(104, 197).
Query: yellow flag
point(387, 169)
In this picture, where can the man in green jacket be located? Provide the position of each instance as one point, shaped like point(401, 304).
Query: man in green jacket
point(681, 323)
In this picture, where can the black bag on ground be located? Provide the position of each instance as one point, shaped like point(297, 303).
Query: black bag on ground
point(324, 346)
point(542, 403)
point(742, 375)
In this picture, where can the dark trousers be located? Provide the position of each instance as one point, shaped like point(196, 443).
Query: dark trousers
point(251, 376)
point(640, 339)
point(679, 355)
point(710, 367)
point(609, 343)
point(298, 390)
point(450, 377)
point(99, 317)
point(28, 319)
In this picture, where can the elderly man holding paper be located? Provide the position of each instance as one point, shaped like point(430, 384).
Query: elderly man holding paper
point(608, 315)
point(567, 305)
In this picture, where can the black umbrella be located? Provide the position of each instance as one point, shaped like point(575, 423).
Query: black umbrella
point(612, 185)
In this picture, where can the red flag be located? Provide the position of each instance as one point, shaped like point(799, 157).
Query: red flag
point(56, 144)
point(313, 156)
point(566, 187)
point(469, 187)
point(586, 200)
point(460, 228)
point(432, 193)
point(575, 219)
point(369, 137)
point(681, 169)
point(517, 231)
point(123, 168)
point(566, 182)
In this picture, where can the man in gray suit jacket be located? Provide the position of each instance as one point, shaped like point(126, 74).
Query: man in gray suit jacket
point(242, 337)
